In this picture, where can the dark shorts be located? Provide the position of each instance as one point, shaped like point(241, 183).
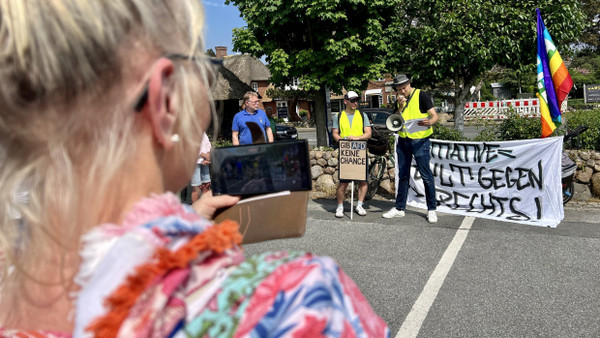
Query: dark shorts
point(348, 181)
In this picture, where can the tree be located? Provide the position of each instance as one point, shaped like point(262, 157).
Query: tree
point(211, 52)
point(591, 33)
point(585, 69)
point(331, 44)
point(436, 40)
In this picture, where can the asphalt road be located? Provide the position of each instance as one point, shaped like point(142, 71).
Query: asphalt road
point(464, 277)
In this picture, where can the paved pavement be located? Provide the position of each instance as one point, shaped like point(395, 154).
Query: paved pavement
point(464, 277)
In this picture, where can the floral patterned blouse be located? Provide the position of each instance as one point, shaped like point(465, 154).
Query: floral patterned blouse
point(166, 272)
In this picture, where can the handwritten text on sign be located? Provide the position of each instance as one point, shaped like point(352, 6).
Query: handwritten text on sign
point(516, 181)
point(353, 160)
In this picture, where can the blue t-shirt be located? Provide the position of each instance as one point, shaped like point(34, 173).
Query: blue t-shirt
point(239, 124)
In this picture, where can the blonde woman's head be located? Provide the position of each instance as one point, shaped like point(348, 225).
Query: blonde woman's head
point(70, 71)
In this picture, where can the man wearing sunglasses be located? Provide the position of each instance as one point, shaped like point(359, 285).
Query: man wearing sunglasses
point(418, 112)
point(351, 124)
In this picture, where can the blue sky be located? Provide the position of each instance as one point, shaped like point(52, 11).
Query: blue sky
point(220, 21)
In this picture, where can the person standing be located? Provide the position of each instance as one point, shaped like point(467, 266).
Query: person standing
point(201, 179)
point(272, 115)
point(103, 248)
point(418, 112)
point(351, 124)
point(240, 132)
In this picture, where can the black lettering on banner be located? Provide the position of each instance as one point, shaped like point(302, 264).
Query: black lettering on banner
point(500, 201)
point(539, 179)
point(522, 173)
point(489, 158)
point(495, 179)
point(471, 206)
point(495, 205)
point(482, 180)
point(456, 154)
point(510, 182)
point(479, 152)
point(437, 148)
point(519, 215)
point(464, 152)
point(441, 176)
point(493, 196)
point(456, 196)
point(460, 171)
point(506, 152)
point(450, 199)
point(487, 206)
point(443, 197)
point(526, 177)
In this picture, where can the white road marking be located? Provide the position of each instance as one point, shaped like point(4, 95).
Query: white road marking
point(413, 322)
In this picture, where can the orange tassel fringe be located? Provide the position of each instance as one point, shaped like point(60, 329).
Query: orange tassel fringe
point(217, 238)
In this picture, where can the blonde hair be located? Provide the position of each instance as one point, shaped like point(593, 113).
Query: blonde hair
point(248, 95)
point(65, 127)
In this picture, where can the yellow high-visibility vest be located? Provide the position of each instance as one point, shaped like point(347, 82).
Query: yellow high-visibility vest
point(357, 124)
point(411, 112)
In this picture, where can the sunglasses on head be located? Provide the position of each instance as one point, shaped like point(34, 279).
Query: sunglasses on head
point(142, 98)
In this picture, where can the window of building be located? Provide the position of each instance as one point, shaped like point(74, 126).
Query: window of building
point(254, 86)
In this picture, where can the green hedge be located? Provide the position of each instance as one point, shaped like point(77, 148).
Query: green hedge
point(590, 139)
point(442, 132)
point(516, 127)
point(221, 143)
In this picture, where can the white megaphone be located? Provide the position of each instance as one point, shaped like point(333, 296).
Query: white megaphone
point(394, 122)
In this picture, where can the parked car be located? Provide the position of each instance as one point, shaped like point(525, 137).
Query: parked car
point(285, 133)
point(377, 117)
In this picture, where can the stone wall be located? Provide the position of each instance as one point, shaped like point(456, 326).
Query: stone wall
point(325, 175)
point(324, 165)
point(588, 169)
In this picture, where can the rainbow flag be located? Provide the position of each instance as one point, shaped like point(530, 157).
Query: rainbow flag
point(553, 79)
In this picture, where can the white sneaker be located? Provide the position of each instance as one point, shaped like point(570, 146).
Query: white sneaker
point(360, 210)
point(339, 212)
point(431, 216)
point(393, 213)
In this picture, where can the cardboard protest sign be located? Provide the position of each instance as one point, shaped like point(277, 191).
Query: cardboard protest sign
point(352, 161)
point(512, 181)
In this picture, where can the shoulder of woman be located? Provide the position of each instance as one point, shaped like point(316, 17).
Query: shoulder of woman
point(300, 285)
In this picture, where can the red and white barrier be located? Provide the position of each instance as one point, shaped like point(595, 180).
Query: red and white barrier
point(497, 110)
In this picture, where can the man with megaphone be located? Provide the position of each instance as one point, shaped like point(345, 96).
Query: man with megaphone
point(414, 129)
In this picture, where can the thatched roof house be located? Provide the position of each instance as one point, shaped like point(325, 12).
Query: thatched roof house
point(239, 74)
point(247, 68)
point(229, 86)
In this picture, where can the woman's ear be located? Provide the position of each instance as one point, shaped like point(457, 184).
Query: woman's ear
point(159, 109)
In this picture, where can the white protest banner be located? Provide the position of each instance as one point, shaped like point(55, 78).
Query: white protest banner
point(512, 181)
point(353, 160)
